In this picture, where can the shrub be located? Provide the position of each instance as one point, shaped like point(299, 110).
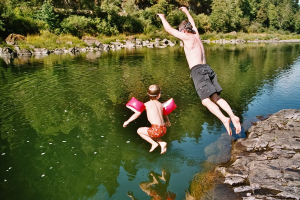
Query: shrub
point(46, 14)
point(76, 25)
point(254, 27)
point(104, 27)
point(16, 19)
point(202, 23)
point(245, 23)
point(297, 22)
point(131, 25)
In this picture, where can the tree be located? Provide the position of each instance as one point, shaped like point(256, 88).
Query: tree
point(272, 15)
point(297, 22)
point(226, 15)
point(285, 16)
point(48, 15)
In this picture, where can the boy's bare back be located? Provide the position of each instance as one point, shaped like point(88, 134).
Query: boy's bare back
point(154, 111)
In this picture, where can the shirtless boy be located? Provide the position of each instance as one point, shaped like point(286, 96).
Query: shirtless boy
point(155, 116)
point(205, 79)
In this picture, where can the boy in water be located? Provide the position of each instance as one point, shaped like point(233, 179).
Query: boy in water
point(155, 116)
point(205, 79)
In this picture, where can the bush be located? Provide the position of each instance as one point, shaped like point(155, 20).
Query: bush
point(104, 27)
point(131, 25)
point(16, 19)
point(254, 27)
point(297, 22)
point(76, 25)
point(202, 23)
point(245, 23)
point(46, 14)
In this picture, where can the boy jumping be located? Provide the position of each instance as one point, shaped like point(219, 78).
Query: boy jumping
point(155, 116)
point(204, 78)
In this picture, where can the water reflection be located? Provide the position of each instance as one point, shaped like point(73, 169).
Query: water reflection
point(156, 187)
point(61, 118)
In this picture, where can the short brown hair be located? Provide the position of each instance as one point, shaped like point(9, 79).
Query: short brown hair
point(185, 24)
point(153, 91)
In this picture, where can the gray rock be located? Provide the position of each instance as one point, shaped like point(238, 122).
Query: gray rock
point(6, 51)
point(242, 189)
point(38, 51)
point(269, 159)
point(23, 52)
point(91, 41)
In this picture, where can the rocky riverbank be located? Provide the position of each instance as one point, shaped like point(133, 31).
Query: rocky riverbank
point(266, 165)
point(92, 44)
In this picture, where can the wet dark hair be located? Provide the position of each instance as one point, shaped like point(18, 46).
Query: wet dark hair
point(153, 91)
point(185, 24)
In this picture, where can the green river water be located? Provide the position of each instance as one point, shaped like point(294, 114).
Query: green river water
point(61, 118)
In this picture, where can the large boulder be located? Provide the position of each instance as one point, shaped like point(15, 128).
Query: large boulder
point(266, 165)
point(91, 41)
point(13, 39)
point(23, 52)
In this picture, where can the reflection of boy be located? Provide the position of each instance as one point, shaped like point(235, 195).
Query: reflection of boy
point(157, 189)
point(155, 116)
point(205, 80)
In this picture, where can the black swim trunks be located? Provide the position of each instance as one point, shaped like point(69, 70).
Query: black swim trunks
point(205, 81)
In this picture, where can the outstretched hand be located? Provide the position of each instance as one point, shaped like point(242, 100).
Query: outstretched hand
point(161, 15)
point(125, 124)
point(183, 9)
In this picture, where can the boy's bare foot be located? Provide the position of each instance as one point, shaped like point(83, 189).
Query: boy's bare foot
point(227, 125)
point(162, 177)
point(130, 194)
point(163, 146)
point(153, 147)
point(236, 123)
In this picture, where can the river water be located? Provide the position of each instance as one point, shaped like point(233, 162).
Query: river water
point(61, 118)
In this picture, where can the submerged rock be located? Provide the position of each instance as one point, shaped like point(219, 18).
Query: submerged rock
point(266, 165)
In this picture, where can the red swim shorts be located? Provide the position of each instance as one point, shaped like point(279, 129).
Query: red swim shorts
point(157, 131)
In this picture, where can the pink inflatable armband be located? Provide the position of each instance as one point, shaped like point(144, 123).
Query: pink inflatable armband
point(169, 106)
point(135, 105)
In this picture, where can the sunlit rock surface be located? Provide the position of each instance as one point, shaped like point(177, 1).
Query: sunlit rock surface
point(267, 163)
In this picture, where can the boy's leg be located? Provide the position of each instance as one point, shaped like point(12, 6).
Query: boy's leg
point(214, 109)
point(144, 134)
point(225, 106)
point(163, 145)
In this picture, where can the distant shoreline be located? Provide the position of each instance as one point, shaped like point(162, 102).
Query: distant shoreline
point(19, 45)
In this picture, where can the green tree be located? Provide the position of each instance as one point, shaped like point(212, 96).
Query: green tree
point(47, 14)
point(272, 16)
point(76, 25)
point(297, 22)
point(285, 16)
point(226, 15)
point(262, 16)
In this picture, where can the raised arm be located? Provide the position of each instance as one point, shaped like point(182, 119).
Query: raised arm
point(132, 118)
point(190, 18)
point(170, 29)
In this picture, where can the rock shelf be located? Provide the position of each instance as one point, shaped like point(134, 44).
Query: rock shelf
point(266, 165)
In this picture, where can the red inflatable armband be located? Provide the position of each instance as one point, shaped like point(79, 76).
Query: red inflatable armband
point(135, 105)
point(169, 106)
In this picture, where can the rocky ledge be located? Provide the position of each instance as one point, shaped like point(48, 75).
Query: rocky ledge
point(266, 165)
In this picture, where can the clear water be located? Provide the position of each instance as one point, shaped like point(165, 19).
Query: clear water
point(61, 118)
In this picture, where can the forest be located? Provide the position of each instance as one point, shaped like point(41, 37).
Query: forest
point(130, 17)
